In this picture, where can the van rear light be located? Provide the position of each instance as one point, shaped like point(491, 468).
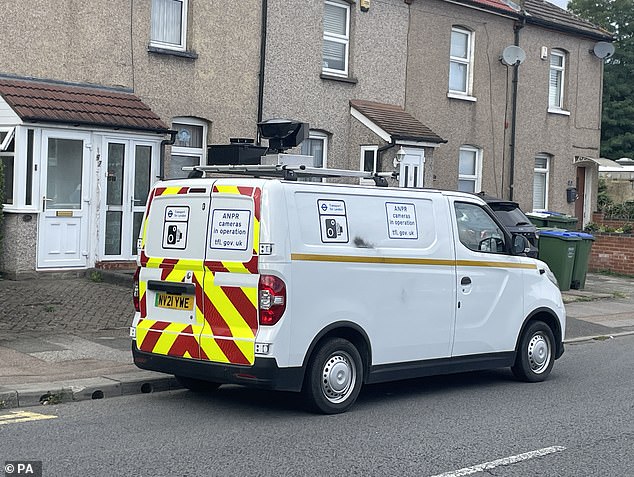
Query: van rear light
point(272, 299)
point(135, 289)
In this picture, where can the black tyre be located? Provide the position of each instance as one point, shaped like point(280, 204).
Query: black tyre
point(334, 377)
point(536, 353)
point(197, 385)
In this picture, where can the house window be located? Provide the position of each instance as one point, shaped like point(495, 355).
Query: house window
point(470, 169)
point(169, 24)
point(368, 162)
point(317, 146)
point(540, 182)
point(461, 61)
point(189, 146)
point(7, 156)
point(336, 37)
point(556, 80)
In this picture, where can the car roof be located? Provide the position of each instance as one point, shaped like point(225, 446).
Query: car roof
point(489, 199)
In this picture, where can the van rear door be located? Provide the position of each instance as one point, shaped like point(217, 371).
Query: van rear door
point(231, 283)
point(172, 269)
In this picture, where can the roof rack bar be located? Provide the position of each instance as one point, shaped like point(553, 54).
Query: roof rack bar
point(288, 172)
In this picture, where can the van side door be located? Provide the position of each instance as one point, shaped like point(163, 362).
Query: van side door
point(490, 283)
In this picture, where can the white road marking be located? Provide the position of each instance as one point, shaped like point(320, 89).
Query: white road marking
point(23, 416)
point(500, 462)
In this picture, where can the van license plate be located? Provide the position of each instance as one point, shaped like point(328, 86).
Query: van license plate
point(174, 302)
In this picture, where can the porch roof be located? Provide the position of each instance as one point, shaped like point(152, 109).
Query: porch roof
point(394, 122)
point(80, 105)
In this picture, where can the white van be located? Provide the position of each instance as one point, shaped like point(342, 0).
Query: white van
point(319, 288)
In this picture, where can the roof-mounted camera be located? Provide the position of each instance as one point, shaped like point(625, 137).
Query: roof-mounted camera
point(283, 133)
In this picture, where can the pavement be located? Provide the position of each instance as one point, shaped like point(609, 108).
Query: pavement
point(67, 339)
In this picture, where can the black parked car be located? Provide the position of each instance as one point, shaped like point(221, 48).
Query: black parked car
point(514, 220)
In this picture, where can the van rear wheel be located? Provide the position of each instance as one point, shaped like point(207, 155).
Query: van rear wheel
point(334, 377)
point(536, 353)
point(197, 385)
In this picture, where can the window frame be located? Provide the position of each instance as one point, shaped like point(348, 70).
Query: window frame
point(182, 46)
point(191, 151)
point(7, 139)
point(477, 177)
point(26, 179)
point(364, 149)
point(468, 61)
point(336, 38)
point(314, 135)
point(543, 171)
point(561, 71)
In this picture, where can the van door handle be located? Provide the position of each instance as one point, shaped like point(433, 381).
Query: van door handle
point(465, 281)
point(177, 288)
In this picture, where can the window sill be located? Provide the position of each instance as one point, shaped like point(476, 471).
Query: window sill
point(563, 112)
point(192, 55)
point(10, 209)
point(342, 79)
point(463, 97)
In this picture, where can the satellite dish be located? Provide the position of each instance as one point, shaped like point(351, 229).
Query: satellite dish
point(513, 55)
point(603, 49)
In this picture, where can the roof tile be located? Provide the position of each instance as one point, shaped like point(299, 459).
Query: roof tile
point(395, 121)
point(38, 100)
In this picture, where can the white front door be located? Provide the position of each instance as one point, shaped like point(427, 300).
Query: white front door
point(65, 200)
point(130, 171)
point(412, 168)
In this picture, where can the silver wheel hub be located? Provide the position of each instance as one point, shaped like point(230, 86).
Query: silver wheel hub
point(539, 353)
point(338, 377)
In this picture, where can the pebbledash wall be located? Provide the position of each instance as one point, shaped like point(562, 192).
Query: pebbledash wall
point(612, 252)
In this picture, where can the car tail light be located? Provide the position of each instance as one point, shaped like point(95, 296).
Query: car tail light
point(272, 299)
point(135, 289)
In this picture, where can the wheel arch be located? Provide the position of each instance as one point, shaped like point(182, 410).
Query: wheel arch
point(349, 331)
point(547, 316)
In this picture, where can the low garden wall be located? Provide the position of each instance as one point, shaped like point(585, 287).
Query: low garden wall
point(612, 251)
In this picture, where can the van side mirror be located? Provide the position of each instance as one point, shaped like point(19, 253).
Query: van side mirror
point(520, 245)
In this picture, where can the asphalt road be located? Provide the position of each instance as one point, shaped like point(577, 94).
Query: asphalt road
point(578, 423)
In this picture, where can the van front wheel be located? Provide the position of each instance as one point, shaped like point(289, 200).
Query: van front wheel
point(536, 353)
point(334, 377)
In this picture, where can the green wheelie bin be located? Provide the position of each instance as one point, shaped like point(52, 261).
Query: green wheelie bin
point(582, 258)
point(552, 219)
point(558, 249)
point(561, 221)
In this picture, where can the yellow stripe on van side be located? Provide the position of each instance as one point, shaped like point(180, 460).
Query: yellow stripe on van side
point(479, 263)
point(408, 261)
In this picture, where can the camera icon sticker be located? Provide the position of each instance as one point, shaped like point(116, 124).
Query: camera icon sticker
point(175, 235)
point(175, 227)
point(334, 229)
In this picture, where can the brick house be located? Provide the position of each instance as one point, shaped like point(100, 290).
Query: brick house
point(371, 78)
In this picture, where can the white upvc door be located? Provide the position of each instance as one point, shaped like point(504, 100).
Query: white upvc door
point(130, 171)
point(412, 168)
point(63, 238)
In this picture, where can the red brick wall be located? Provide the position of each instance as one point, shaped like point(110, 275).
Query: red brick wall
point(597, 218)
point(613, 252)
